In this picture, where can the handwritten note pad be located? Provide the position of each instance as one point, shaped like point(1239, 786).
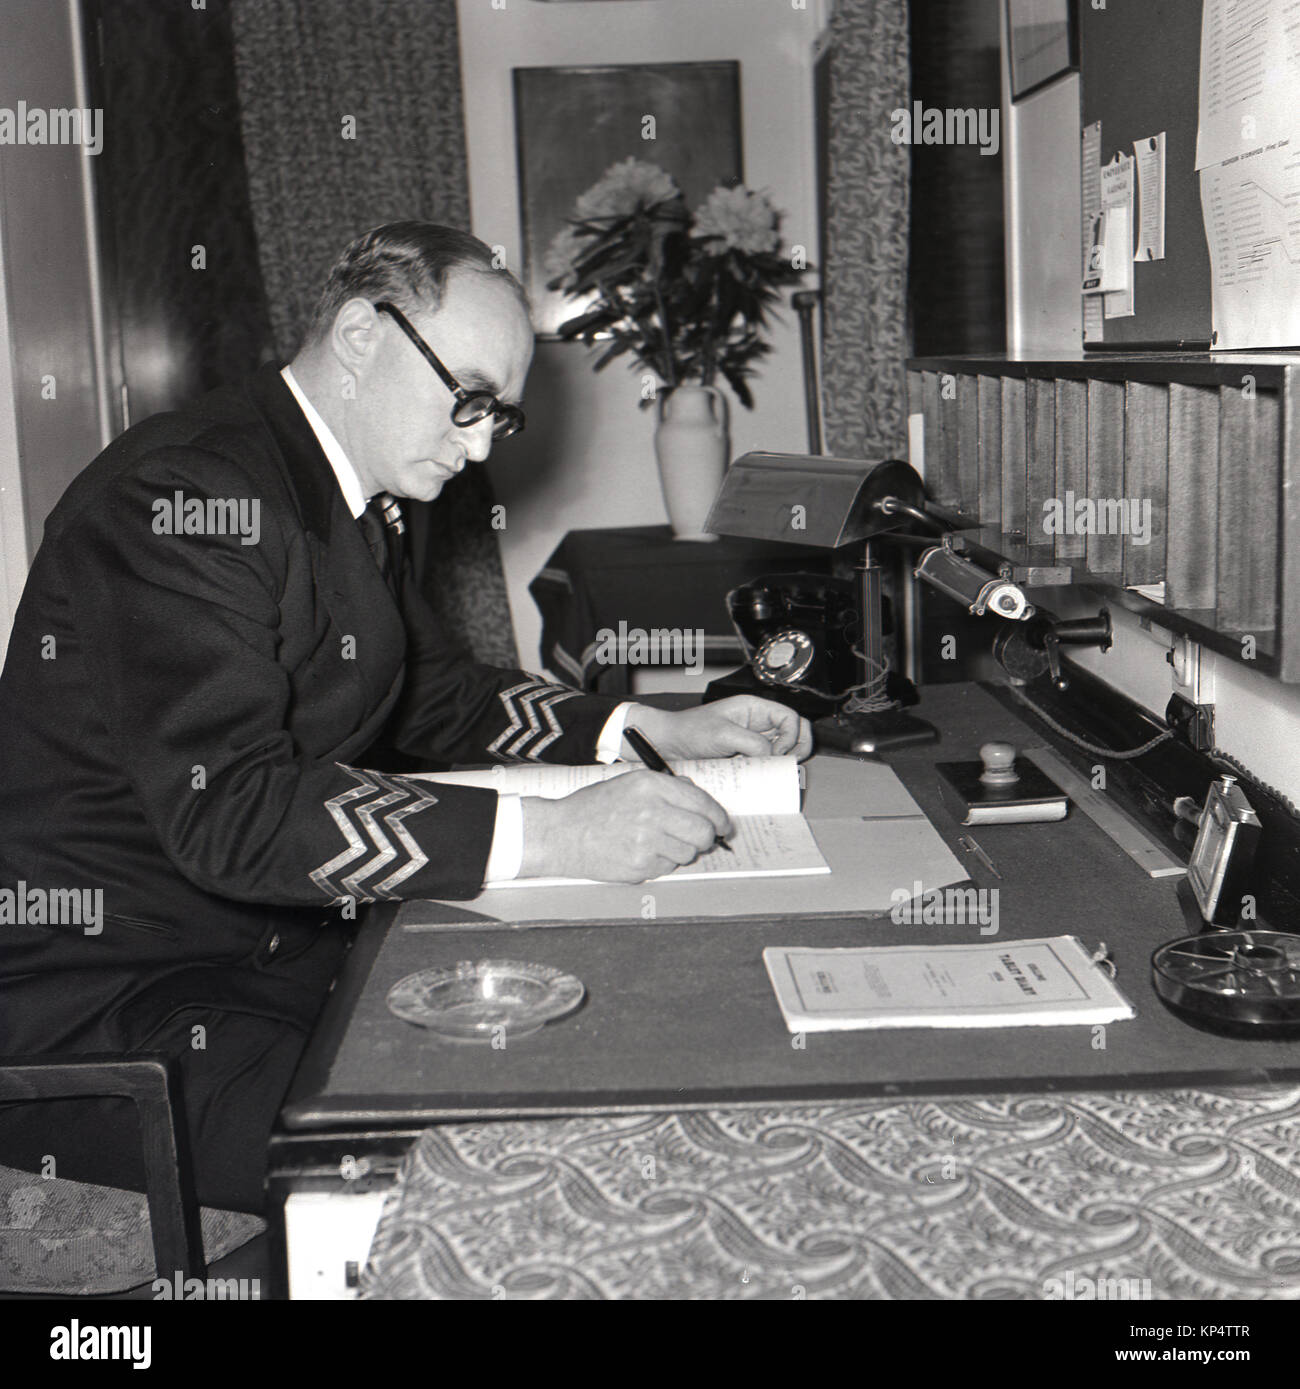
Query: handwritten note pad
point(865, 824)
point(743, 785)
point(770, 837)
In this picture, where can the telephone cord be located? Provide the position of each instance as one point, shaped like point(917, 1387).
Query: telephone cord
point(1215, 753)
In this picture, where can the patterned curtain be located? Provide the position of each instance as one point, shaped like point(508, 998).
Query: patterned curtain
point(387, 72)
point(864, 323)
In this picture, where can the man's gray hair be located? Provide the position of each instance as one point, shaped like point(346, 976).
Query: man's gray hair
point(407, 264)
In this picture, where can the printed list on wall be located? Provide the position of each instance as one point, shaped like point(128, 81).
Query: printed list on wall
point(1248, 157)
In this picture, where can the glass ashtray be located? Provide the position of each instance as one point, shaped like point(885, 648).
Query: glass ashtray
point(477, 1000)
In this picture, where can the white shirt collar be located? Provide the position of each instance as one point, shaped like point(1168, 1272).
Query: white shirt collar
point(330, 446)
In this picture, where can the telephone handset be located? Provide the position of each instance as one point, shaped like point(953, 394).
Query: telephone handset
point(798, 632)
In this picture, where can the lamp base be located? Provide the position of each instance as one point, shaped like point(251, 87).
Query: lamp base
point(867, 735)
point(850, 735)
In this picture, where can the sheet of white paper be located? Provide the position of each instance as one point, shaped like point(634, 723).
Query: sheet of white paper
point(842, 788)
point(874, 836)
point(1117, 187)
point(1150, 156)
point(1110, 270)
point(1249, 77)
point(875, 864)
point(1119, 239)
point(1249, 208)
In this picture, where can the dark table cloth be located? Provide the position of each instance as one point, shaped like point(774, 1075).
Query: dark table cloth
point(641, 577)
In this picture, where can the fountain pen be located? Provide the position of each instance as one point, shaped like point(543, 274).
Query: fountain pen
point(645, 750)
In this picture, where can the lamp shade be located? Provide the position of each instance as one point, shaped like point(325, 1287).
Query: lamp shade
point(806, 499)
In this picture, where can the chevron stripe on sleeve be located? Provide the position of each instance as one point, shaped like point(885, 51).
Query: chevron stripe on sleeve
point(533, 726)
point(369, 816)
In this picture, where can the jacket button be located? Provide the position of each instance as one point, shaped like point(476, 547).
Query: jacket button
point(273, 944)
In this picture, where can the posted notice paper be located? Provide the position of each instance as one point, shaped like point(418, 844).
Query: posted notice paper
point(1248, 155)
point(1024, 983)
point(1249, 204)
point(1249, 77)
point(1093, 246)
point(1150, 156)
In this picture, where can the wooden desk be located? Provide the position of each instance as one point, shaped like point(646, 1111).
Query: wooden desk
point(681, 1016)
point(683, 1013)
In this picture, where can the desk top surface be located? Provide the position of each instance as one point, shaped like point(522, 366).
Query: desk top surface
point(681, 1014)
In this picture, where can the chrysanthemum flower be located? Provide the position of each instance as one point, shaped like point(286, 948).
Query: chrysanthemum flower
point(624, 188)
point(742, 220)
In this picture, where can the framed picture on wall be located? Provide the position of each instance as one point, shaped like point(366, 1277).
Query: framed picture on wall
point(1043, 43)
point(572, 123)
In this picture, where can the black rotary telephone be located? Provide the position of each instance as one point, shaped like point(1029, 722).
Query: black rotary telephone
point(798, 632)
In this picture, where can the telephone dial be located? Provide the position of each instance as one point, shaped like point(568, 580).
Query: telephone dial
point(799, 633)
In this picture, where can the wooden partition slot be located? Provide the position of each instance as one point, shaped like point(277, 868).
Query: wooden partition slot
point(940, 438)
point(1040, 458)
point(1071, 463)
point(1249, 503)
point(1146, 481)
point(1014, 473)
point(1192, 536)
point(1105, 487)
point(988, 497)
point(1289, 617)
point(968, 447)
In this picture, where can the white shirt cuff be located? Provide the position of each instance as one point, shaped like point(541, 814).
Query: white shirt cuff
point(609, 746)
point(507, 853)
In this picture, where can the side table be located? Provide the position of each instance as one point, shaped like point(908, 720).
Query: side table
point(600, 586)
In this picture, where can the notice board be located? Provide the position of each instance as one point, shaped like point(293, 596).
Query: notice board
point(1139, 64)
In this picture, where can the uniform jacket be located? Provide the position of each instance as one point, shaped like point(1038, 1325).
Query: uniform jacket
point(185, 719)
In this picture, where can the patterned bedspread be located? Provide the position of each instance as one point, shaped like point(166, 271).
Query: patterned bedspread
point(1163, 1194)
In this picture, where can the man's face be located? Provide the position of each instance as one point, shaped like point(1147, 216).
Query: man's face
point(401, 437)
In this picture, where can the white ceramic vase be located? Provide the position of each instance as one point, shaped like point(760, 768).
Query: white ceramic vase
point(693, 449)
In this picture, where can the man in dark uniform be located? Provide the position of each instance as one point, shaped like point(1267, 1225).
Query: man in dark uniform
point(217, 628)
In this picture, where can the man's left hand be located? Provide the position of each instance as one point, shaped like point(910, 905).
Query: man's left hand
point(743, 725)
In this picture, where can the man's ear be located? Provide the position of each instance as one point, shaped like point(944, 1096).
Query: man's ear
point(354, 338)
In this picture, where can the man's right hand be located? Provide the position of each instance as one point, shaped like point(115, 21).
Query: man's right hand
point(635, 826)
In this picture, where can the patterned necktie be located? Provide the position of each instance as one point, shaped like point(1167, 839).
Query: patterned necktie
point(381, 524)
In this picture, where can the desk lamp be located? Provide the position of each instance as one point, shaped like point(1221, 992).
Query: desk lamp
point(827, 503)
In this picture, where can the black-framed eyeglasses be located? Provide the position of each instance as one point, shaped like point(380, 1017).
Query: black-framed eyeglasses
point(470, 406)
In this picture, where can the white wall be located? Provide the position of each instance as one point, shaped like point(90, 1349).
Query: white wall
point(1257, 719)
point(587, 457)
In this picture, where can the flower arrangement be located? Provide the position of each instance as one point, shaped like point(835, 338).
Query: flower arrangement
point(688, 295)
